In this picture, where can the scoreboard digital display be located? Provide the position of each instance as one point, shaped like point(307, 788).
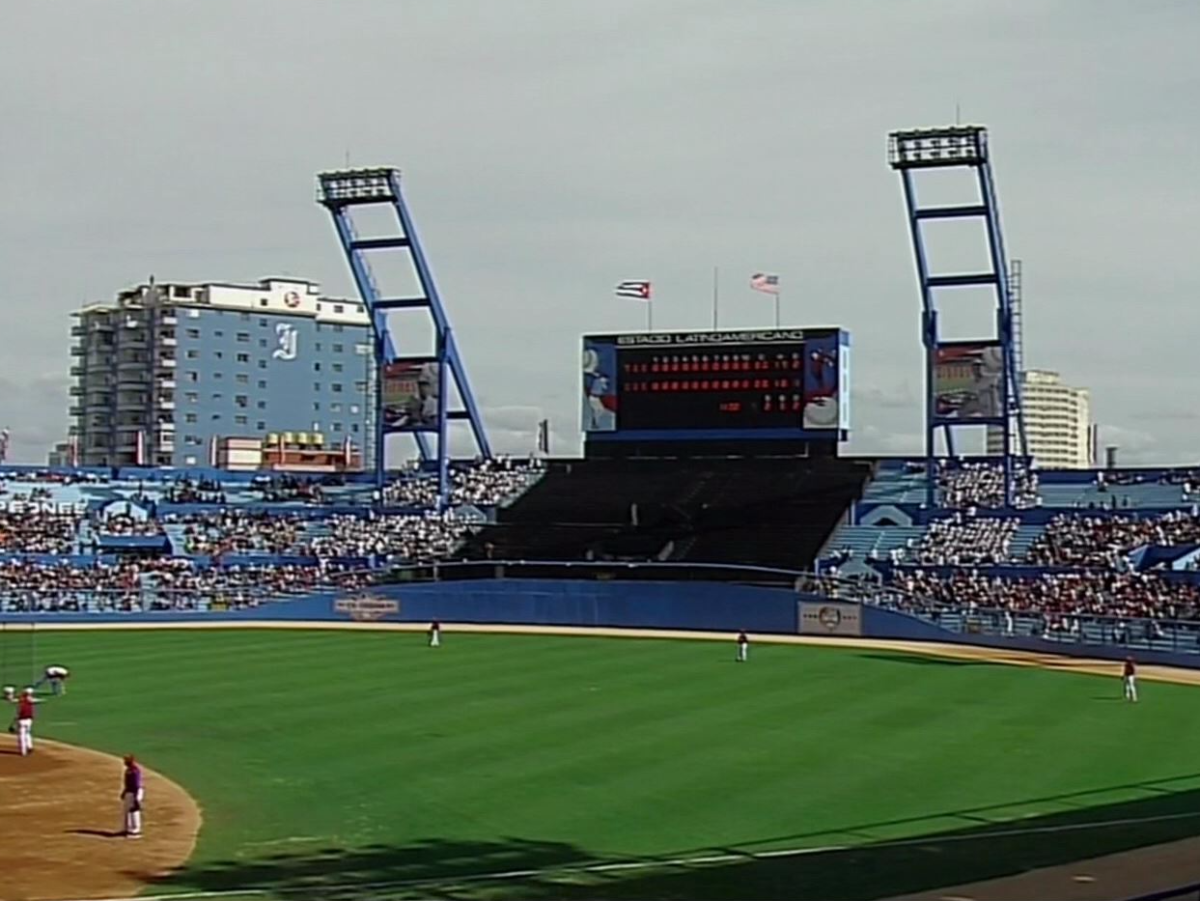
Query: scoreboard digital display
point(779, 382)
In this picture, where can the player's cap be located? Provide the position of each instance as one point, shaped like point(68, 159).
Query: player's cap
point(129, 759)
point(28, 690)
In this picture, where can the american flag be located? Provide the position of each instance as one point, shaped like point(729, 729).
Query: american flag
point(768, 284)
point(640, 290)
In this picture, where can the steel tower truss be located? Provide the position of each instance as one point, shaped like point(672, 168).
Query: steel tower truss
point(340, 192)
point(910, 153)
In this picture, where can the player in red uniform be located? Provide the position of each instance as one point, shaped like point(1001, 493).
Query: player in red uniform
point(24, 721)
point(1129, 679)
point(743, 643)
point(133, 793)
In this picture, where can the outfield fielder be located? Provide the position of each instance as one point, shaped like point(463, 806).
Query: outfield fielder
point(132, 795)
point(743, 651)
point(57, 677)
point(435, 634)
point(1129, 678)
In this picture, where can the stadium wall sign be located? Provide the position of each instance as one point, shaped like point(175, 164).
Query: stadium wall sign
point(830, 619)
point(366, 609)
point(60, 509)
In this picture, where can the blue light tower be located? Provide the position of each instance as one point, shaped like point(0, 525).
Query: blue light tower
point(412, 392)
point(967, 383)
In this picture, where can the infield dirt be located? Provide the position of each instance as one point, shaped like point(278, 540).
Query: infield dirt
point(60, 817)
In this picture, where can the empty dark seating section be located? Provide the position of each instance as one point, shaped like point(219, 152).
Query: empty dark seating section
point(768, 512)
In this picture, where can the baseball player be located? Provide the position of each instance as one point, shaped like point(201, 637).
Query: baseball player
point(24, 719)
point(133, 794)
point(56, 677)
point(435, 634)
point(1129, 679)
point(743, 647)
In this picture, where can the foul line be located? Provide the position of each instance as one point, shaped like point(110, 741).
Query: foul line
point(658, 863)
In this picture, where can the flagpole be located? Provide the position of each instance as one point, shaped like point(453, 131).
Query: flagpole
point(649, 314)
point(716, 296)
point(777, 293)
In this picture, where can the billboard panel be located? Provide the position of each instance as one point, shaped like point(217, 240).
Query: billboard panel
point(410, 396)
point(968, 379)
point(771, 383)
point(599, 386)
point(830, 619)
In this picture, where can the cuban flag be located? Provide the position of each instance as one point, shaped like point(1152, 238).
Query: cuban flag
point(638, 290)
point(762, 281)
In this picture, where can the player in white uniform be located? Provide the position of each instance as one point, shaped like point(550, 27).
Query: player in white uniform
point(743, 647)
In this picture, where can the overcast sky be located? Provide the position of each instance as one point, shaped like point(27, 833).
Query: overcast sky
point(552, 147)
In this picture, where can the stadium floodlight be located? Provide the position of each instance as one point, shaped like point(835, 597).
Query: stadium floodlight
point(954, 145)
point(357, 185)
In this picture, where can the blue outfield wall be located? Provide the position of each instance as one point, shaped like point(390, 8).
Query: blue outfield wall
point(650, 605)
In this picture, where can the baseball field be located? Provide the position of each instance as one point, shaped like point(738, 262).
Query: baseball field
point(364, 764)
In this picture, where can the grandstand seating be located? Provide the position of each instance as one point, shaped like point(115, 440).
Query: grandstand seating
point(768, 512)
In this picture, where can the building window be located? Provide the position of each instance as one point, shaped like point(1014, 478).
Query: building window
point(260, 425)
point(354, 427)
point(336, 387)
point(339, 348)
point(337, 426)
point(240, 420)
point(262, 364)
point(218, 375)
point(190, 417)
point(262, 323)
point(192, 397)
point(262, 404)
point(262, 383)
point(216, 417)
point(316, 367)
point(193, 354)
point(243, 358)
point(354, 408)
point(262, 301)
point(218, 333)
point(192, 376)
point(262, 342)
point(193, 314)
point(317, 405)
point(245, 317)
point(335, 408)
point(241, 400)
point(193, 333)
point(317, 346)
point(243, 337)
point(337, 367)
point(218, 397)
point(338, 328)
point(243, 379)
point(360, 387)
point(316, 386)
point(338, 308)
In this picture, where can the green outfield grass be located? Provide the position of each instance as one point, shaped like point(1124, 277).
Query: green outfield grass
point(337, 759)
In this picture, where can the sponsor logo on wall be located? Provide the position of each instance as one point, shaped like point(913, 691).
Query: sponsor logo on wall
point(830, 619)
point(366, 610)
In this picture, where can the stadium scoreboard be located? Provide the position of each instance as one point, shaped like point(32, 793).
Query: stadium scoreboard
point(770, 383)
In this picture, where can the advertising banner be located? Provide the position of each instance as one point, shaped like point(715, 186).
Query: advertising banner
point(830, 619)
point(410, 396)
point(968, 380)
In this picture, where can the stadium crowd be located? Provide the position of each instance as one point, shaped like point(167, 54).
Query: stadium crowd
point(416, 538)
point(238, 532)
point(969, 485)
point(1086, 592)
point(160, 584)
point(484, 484)
point(962, 540)
point(1106, 540)
point(37, 532)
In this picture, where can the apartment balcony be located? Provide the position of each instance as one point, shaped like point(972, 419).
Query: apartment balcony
point(128, 363)
point(75, 410)
point(167, 362)
point(167, 383)
point(78, 331)
point(76, 371)
point(131, 403)
point(166, 405)
point(77, 350)
point(168, 318)
point(168, 342)
point(97, 403)
point(75, 390)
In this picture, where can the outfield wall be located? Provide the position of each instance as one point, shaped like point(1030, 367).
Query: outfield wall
point(717, 607)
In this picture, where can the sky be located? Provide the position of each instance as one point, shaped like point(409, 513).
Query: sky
point(551, 148)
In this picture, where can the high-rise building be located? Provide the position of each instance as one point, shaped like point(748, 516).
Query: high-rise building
point(167, 370)
point(1058, 423)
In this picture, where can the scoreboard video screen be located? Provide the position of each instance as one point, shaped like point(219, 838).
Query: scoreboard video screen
point(783, 383)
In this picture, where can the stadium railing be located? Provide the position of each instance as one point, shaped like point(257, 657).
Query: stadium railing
point(1182, 891)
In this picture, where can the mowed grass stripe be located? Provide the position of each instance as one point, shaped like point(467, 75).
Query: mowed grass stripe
point(601, 747)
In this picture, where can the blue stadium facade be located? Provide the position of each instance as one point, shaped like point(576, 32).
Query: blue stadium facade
point(170, 370)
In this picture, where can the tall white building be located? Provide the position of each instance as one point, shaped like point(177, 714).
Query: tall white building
point(1058, 422)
